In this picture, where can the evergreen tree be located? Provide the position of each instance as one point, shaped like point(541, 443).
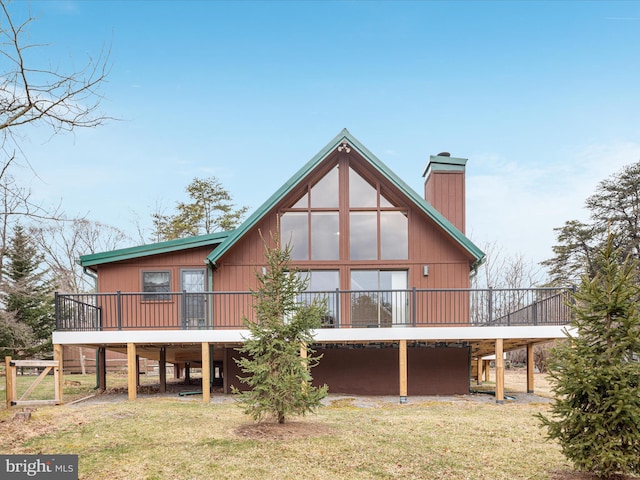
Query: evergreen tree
point(15, 338)
point(613, 208)
point(27, 293)
point(210, 210)
point(596, 374)
point(278, 376)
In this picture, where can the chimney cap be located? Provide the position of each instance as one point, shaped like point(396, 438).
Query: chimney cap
point(444, 163)
point(444, 154)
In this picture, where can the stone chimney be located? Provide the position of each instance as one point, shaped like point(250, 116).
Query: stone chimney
point(444, 187)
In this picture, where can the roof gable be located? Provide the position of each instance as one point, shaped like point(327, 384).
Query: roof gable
point(344, 136)
point(153, 249)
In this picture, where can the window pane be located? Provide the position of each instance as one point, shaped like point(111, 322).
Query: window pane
point(394, 236)
point(393, 304)
point(294, 230)
point(303, 202)
point(393, 280)
point(325, 237)
point(364, 305)
point(154, 282)
point(364, 280)
point(325, 281)
point(324, 194)
point(379, 298)
point(384, 202)
point(363, 241)
point(361, 193)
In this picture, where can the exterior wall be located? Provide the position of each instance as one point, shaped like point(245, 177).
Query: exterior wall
point(116, 362)
point(126, 277)
point(446, 192)
point(375, 371)
point(448, 263)
point(429, 247)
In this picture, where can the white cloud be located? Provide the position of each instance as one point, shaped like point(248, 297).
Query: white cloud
point(519, 205)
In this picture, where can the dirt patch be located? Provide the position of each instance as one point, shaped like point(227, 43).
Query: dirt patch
point(283, 431)
point(16, 432)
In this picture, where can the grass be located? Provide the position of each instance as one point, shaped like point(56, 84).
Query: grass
point(170, 438)
point(75, 386)
point(181, 438)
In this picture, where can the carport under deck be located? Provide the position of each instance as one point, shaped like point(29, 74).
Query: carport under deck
point(206, 348)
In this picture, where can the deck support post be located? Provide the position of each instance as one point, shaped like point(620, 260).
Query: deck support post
point(102, 369)
point(225, 370)
point(206, 373)
point(162, 369)
point(57, 355)
point(9, 381)
point(530, 367)
point(480, 370)
point(132, 371)
point(499, 370)
point(402, 362)
point(487, 370)
point(137, 371)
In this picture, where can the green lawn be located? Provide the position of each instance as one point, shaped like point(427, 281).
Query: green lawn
point(178, 438)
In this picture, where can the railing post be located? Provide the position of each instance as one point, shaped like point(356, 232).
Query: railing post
point(414, 306)
point(57, 309)
point(490, 305)
point(337, 307)
point(119, 309)
point(184, 314)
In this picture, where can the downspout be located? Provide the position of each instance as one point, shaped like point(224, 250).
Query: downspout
point(210, 282)
point(89, 273)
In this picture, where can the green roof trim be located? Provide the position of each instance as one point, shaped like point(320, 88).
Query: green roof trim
point(344, 135)
point(153, 249)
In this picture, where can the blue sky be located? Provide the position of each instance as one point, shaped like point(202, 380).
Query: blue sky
point(541, 97)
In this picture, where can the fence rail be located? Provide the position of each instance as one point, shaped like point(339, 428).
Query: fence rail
point(345, 308)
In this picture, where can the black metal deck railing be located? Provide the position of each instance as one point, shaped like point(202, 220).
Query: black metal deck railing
point(351, 308)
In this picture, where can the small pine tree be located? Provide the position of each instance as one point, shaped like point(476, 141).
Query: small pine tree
point(278, 376)
point(596, 374)
point(27, 294)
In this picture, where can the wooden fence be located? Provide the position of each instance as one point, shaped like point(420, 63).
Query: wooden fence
point(12, 381)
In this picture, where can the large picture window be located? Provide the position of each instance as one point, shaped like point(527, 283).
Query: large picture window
point(327, 282)
point(154, 284)
point(379, 298)
point(312, 227)
point(378, 227)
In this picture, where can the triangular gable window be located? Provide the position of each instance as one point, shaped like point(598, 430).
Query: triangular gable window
point(378, 229)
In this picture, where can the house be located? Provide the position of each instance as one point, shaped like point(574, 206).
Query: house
point(394, 266)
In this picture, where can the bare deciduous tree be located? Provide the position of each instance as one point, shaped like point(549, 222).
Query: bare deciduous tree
point(63, 242)
point(37, 95)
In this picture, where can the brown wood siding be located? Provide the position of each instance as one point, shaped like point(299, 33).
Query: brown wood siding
point(126, 277)
point(447, 262)
point(375, 371)
point(237, 269)
point(446, 192)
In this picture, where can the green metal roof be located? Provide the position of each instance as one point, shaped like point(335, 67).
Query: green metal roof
point(344, 135)
point(153, 249)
